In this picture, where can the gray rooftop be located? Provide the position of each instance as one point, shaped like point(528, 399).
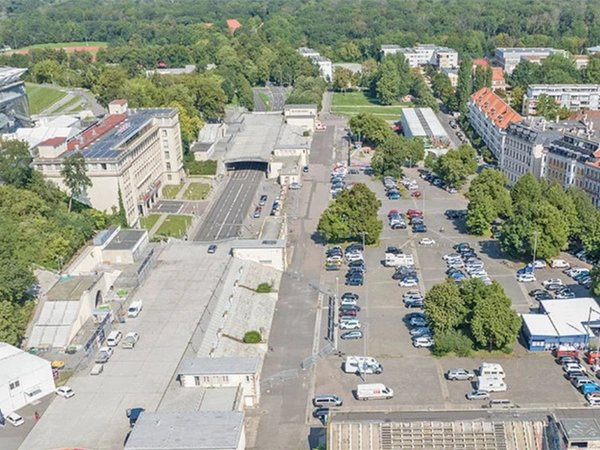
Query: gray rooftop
point(533, 133)
point(201, 147)
point(15, 363)
point(256, 138)
point(300, 105)
point(126, 240)
point(218, 366)
point(258, 243)
point(183, 430)
point(581, 430)
point(422, 122)
point(71, 288)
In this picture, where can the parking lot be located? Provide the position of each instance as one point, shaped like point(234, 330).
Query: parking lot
point(418, 378)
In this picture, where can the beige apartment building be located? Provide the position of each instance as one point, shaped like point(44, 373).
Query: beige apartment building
point(566, 160)
point(132, 151)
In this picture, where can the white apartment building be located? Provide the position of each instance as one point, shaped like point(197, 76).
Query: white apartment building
point(239, 372)
point(524, 147)
point(325, 64)
point(508, 58)
point(489, 116)
point(570, 96)
point(134, 152)
point(423, 54)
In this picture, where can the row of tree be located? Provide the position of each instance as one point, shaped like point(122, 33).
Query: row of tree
point(308, 90)
point(455, 166)
point(470, 315)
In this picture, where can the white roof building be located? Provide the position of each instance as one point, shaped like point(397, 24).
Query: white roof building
point(24, 378)
point(422, 123)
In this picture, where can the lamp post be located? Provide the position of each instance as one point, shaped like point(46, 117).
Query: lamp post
point(335, 308)
point(364, 372)
point(535, 240)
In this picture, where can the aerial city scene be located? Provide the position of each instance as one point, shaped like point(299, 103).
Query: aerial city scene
point(299, 224)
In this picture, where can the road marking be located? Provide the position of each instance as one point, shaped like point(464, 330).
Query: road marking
point(228, 212)
point(443, 386)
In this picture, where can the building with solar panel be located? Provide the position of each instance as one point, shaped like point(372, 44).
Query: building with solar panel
point(423, 124)
point(133, 153)
point(14, 107)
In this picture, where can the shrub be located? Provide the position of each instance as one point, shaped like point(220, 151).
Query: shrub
point(252, 337)
point(208, 167)
point(452, 341)
point(263, 288)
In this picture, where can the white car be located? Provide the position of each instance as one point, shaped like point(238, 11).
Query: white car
point(412, 294)
point(552, 281)
point(15, 420)
point(354, 257)
point(573, 366)
point(412, 187)
point(559, 264)
point(427, 241)
point(131, 340)
point(539, 264)
point(350, 325)
point(525, 278)
point(408, 283)
point(451, 256)
point(423, 341)
point(348, 302)
point(65, 391)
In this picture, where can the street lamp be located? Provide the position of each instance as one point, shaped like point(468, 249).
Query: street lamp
point(535, 240)
point(364, 372)
point(335, 308)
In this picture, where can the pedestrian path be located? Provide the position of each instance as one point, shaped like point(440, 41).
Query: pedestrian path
point(157, 225)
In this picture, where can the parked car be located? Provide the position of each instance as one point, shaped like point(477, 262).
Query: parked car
point(427, 241)
point(350, 325)
point(539, 264)
point(262, 200)
point(543, 296)
point(65, 391)
point(567, 359)
point(478, 395)
point(536, 292)
point(414, 304)
point(350, 335)
point(419, 229)
point(526, 278)
point(420, 331)
point(460, 374)
point(131, 339)
point(559, 264)
point(423, 341)
point(332, 266)
point(409, 282)
point(450, 256)
point(355, 281)
point(14, 419)
point(552, 281)
point(417, 322)
point(349, 308)
point(257, 212)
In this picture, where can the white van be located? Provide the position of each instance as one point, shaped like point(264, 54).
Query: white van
point(364, 364)
point(392, 260)
point(373, 391)
point(114, 338)
point(491, 369)
point(559, 264)
point(491, 384)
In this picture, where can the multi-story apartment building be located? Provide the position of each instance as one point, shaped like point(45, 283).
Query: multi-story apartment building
point(570, 96)
point(131, 153)
point(508, 58)
point(325, 64)
point(524, 147)
point(423, 54)
point(567, 158)
point(489, 116)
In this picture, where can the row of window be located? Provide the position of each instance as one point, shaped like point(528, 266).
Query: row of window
point(215, 379)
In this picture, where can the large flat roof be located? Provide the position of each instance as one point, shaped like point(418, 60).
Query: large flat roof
point(71, 288)
point(256, 138)
point(566, 317)
point(423, 122)
point(126, 240)
point(258, 243)
point(15, 363)
point(182, 430)
point(581, 430)
point(218, 366)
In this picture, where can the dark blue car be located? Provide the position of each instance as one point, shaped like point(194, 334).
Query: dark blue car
point(355, 281)
point(419, 229)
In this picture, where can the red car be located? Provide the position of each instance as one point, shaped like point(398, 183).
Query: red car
point(414, 213)
point(416, 194)
point(392, 212)
point(257, 212)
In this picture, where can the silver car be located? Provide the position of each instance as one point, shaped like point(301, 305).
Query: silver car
point(460, 374)
point(478, 395)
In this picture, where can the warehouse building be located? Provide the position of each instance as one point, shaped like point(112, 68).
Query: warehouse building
point(422, 123)
point(574, 322)
point(24, 378)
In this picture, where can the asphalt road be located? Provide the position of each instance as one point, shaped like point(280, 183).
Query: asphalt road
point(278, 95)
point(227, 213)
point(259, 105)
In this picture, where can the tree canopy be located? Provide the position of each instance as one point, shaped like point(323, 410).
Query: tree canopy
point(456, 165)
point(394, 153)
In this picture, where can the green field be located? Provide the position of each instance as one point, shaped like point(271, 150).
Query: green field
point(64, 44)
point(353, 103)
point(149, 221)
point(196, 191)
point(265, 98)
point(170, 191)
point(69, 106)
point(41, 97)
point(174, 226)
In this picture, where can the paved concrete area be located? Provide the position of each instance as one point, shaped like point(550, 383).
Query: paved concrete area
point(227, 213)
point(175, 296)
point(168, 207)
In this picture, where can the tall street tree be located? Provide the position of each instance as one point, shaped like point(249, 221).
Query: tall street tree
point(463, 89)
point(74, 176)
point(14, 163)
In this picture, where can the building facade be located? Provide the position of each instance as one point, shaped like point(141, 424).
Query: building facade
point(131, 153)
point(508, 58)
point(566, 160)
point(524, 147)
point(489, 116)
point(14, 106)
point(570, 96)
point(423, 124)
point(325, 64)
point(423, 54)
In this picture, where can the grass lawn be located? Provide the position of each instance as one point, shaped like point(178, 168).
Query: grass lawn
point(174, 225)
point(149, 221)
point(353, 103)
point(65, 45)
point(196, 191)
point(69, 106)
point(265, 98)
point(41, 98)
point(171, 190)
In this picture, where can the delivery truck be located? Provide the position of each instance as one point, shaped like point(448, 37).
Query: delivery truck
point(373, 391)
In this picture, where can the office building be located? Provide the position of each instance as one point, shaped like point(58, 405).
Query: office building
point(424, 54)
point(508, 58)
point(132, 154)
point(325, 65)
point(489, 116)
point(14, 106)
point(570, 96)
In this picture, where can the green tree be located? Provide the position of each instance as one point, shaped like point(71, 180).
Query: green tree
point(547, 107)
point(595, 274)
point(516, 98)
point(244, 93)
point(452, 341)
point(210, 98)
point(388, 84)
point(592, 71)
point(444, 307)
point(495, 325)
point(527, 189)
point(463, 89)
point(494, 184)
point(480, 213)
point(489, 76)
point(442, 86)
point(110, 85)
point(12, 323)
point(456, 165)
point(343, 79)
point(14, 163)
point(479, 78)
point(74, 176)
point(394, 153)
point(352, 213)
point(370, 128)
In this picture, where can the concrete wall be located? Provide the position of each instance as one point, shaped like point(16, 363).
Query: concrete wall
point(306, 123)
point(13, 400)
point(249, 384)
point(270, 257)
